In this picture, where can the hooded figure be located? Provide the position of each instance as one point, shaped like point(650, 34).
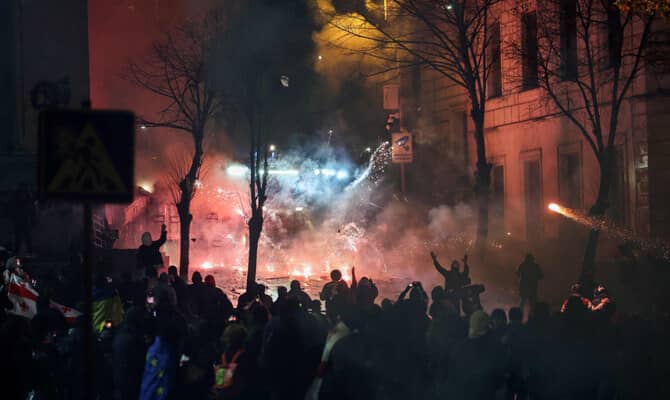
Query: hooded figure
point(148, 254)
point(529, 274)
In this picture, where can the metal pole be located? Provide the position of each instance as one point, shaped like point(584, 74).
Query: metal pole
point(87, 276)
point(402, 179)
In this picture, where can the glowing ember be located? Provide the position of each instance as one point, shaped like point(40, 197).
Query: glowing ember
point(305, 272)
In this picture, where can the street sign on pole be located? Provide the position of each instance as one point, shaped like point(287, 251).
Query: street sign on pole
point(391, 97)
point(401, 148)
point(86, 155)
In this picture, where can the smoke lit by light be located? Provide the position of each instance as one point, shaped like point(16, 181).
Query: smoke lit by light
point(342, 174)
point(304, 272)
point(286, 172)
point(237, 170)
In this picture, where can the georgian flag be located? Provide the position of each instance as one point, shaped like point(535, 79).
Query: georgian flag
point(24, 298)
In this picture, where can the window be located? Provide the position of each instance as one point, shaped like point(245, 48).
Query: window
point(498, 201)
point(494, 88)
point(614, 37)
point(569, 180)
point(529, 43)
point(569, 39)
point(532, 184)
point(617, 194)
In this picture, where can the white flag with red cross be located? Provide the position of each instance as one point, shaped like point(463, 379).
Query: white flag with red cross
point(24, 299)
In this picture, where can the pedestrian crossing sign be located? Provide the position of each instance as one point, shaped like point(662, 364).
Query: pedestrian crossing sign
point(86, 155)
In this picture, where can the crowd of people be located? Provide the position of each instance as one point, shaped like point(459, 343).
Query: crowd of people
point(159, 337)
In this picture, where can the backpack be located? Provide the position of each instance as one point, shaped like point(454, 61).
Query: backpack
point(225, 372)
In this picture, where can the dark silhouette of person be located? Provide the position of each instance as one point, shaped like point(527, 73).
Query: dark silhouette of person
point(330, 290)
point(454, 279)
point(529, 275)
point(128, 354)
point(364, 291)
point(282, 292)
point(148, 254)
point(264, 298)
point(218, 308)
point(603, 305)
point(247, 297)
point(178, 285)
point(576, 302)
point(288, 352)
point(297, 292)
point(498, 324)
point(477, 366)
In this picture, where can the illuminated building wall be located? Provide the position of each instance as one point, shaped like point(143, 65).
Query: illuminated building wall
point(538, 156)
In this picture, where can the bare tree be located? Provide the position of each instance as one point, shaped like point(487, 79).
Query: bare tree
point(451, 37)
point(258, 185)
point(174, 71)
point(589, 54)
point(269, 43)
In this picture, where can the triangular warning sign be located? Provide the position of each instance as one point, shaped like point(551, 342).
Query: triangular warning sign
point(87, 166)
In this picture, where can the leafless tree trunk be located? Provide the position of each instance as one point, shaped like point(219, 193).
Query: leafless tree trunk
point(589, 55)
point(449, 37)
point(174, 71)
point(258, 184)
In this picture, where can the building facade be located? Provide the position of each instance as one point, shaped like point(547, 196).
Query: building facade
point(539, 156)
point(44, 64)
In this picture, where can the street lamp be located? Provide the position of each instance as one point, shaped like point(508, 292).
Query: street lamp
point(273, 147)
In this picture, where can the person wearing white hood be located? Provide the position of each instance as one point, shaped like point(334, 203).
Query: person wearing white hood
point(148, 254)
point(13, 266)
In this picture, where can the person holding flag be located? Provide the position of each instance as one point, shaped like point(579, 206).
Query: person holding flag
point(107, 305)
point(23, 296)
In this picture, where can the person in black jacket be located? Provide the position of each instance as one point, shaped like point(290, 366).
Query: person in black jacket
point(148, 254)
